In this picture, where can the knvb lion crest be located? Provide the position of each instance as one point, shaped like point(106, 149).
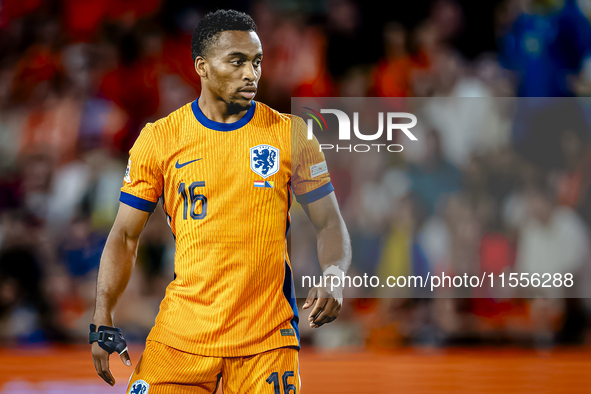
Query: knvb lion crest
point(264, 160)
point(139, 387)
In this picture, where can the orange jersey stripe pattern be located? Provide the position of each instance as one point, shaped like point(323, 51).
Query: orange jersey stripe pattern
point(226, 189)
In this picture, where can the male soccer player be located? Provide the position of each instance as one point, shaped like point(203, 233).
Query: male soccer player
point(222, 166)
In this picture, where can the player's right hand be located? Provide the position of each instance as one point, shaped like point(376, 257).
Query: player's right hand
point(100, 358)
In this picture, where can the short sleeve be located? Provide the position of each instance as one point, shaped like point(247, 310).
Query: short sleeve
point(143, 181)
point(310, 178)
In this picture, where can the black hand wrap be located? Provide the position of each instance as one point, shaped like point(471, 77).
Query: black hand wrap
point(109, 338)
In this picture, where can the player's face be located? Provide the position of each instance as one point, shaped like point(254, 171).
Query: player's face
point(233, 67)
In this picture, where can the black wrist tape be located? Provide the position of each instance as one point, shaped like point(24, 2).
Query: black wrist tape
point(109, 338)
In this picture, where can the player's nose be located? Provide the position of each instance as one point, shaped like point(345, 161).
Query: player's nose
point(249, 73)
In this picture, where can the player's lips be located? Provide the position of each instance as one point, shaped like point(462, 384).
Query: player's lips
point(248, 92)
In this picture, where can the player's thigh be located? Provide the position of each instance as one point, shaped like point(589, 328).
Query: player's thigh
point(275, 371)
point(165, 370)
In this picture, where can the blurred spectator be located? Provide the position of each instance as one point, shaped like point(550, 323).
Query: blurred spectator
point(133, 85)
point(543, 49)
point(26, 316)
point(392, 74)
point(344, 25)
point(402, 254)
point(552, 239)
point(573, 182)
point(434, 178)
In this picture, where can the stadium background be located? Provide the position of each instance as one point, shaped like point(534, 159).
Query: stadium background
point(79, 78)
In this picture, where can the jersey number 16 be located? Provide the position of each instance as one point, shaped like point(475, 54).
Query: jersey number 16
point(192, 199)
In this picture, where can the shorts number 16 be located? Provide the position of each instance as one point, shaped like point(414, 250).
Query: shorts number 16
point(287, 388)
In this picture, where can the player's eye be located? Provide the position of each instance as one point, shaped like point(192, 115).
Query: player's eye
point(257, 63)
point(236, 62)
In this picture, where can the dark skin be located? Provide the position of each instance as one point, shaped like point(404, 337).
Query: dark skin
point(334, 248)
point(117, 263)
point(230, 72)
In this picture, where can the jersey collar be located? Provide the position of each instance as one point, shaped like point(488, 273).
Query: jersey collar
point(210, 124)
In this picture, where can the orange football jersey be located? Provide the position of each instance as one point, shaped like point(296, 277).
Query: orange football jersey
point(226, 189)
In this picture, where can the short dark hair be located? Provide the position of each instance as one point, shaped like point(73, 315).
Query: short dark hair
point(217, 22)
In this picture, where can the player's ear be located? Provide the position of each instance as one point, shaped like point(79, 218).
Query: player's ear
point(201, 67)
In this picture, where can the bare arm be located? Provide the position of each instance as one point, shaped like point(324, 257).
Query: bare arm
point(115, 269)
point(334, 248)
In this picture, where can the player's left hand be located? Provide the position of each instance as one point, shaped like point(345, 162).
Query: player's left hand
point(326, 307)
point(106, 340)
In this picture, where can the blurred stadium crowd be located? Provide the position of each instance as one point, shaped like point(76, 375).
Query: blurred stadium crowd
point(80, 78)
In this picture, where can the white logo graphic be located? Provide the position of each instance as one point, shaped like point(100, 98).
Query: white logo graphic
point(139, 387)
point(264, 160)
point(390, 120)
point(345, 125)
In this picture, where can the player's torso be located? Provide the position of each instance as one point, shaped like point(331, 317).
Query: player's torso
point(226, 195)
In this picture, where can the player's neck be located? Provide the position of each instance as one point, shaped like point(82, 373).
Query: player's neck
point(217, 110)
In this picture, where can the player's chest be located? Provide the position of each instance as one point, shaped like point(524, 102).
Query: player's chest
point(222, 163)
